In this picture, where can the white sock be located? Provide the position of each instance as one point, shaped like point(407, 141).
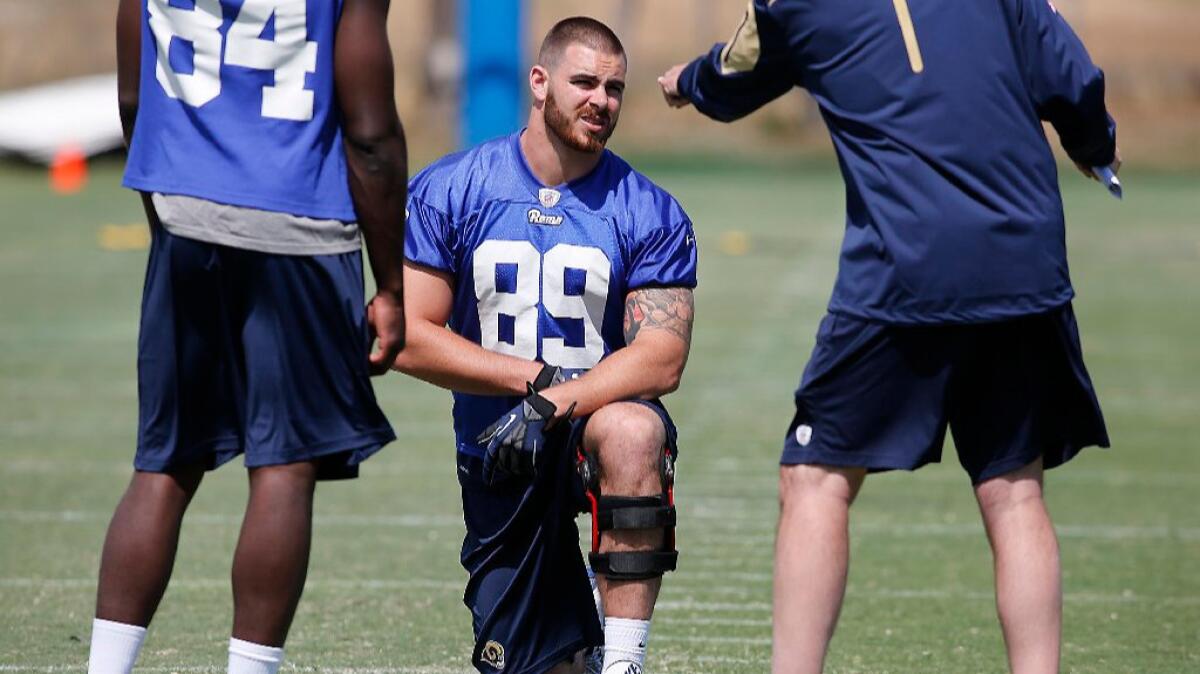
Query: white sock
point(246, 657)
point(625, 645)
point(115, 647)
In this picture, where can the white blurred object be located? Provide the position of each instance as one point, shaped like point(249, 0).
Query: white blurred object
point(38, 122)
point(1109, 179)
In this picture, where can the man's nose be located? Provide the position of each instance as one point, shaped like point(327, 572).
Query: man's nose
point(599, 99)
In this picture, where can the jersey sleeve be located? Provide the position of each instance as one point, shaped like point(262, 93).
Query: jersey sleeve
point(429, 237)
point(1067, 88)
point(664, 257)
point(744, 74)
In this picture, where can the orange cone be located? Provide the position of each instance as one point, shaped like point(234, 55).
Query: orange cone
point(68, 171)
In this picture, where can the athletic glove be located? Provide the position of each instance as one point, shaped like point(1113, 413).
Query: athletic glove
point(551, 375)
point(514, 443)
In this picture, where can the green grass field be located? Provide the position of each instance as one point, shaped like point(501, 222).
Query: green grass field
point(385, 585)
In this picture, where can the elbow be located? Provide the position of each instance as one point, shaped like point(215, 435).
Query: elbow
point(127, 109)
point(127, 104)
point(377, 140)
point(670, 386)
point(415, 358)
point(127, 95)
point(403, 364)
point(724, 115)
point(408, 361)
point(671, 379)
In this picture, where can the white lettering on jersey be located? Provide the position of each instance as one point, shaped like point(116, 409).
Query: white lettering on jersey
point(536, 217)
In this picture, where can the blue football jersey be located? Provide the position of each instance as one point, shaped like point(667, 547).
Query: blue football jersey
point(237, 106)
point(935, 108)
point(542, 273)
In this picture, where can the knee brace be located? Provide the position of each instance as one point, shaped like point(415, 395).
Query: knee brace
point(611, 513)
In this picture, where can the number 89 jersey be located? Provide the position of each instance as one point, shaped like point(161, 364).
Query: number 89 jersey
point(542, 273)
point(236, 105)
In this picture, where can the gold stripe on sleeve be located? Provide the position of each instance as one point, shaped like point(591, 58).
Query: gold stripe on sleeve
point(741, 53)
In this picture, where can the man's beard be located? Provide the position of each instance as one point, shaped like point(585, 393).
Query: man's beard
point(561, 124)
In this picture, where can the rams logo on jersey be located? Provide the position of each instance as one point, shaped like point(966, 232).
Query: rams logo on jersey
point(537, 217)
point(493, 654)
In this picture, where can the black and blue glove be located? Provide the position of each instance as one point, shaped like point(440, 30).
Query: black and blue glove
point(551, 375)
point(515, 443)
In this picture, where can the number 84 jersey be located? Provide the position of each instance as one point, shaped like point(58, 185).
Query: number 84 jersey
point(236, 105)
point(542, 273)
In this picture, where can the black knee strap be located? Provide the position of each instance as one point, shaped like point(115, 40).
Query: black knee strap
point(631, 512)
point(634, 512)
point(633, 565)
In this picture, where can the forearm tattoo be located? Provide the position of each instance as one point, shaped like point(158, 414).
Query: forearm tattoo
point(669, 309)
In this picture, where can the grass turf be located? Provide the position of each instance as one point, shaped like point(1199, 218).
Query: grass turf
point(385, 587)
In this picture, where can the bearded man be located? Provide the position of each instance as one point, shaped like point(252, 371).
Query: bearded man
point(566, 280)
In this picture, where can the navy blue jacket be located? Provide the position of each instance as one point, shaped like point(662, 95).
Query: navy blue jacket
point(935, 109)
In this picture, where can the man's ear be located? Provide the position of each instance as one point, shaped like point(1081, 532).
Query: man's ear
point(539, 83)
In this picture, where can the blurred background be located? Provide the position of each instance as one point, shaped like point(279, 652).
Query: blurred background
point(1149, 49)
point(384, 589)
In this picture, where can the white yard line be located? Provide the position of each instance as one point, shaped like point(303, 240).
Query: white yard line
point(223, 583)
point(700, 639)
point(721, 476)
point(673, 662)
point(71, 516)
point(764, 534)
point(705, 585)
point(700, 477)
point(29, 465)
point(706, 532)
point(719, 622)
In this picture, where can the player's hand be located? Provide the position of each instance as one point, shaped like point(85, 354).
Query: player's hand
point(514, 443)
point(385, 321)
point(669, 81)
point(1115, 166)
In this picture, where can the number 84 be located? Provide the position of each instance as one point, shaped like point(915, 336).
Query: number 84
point(290, 54)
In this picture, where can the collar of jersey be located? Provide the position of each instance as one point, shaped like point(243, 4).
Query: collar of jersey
point(570, 189)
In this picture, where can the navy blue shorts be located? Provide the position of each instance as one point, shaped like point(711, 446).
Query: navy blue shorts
point(881, 396)
point(530, 600)
point(241, 351)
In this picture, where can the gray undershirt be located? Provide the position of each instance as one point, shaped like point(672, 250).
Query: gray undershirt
point(254, 229)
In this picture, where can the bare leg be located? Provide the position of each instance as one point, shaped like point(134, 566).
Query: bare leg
point(1028, 581)
point(271, 560)
point(139, 549)
point(811, 558)
point(629, 440)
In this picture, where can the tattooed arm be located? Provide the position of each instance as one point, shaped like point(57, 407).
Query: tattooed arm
point(658, 335)
point(659, 309)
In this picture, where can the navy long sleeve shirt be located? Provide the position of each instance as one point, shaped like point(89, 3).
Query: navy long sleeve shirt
point(935, 109)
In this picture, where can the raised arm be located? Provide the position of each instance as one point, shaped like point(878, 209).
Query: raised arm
point(439, 356)
point(738, 77)
point(658, 331)
point(377, 158)
point(1067, 88)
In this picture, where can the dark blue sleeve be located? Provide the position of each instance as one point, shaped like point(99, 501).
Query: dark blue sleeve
point(744, 74)
point(429, 238)
point(1067, 88)
point(664, 257)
